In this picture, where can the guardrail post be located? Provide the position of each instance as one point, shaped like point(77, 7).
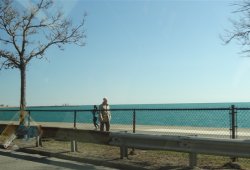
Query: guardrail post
point(38, 141)
point(123, 151)
point(73, 146)
point(192, 160)
point(39, 136)
point(74, 141)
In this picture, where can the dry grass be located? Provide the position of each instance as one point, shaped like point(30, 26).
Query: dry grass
point(148, 159)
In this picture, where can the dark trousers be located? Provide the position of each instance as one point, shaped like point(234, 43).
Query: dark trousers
point(107, 124)
point(95, 122)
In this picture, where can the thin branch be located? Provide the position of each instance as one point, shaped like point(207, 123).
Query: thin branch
point(5, 41)
point(241, 27)
point(10, 57)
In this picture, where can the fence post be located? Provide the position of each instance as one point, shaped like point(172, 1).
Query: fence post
point(75, 119)
point(134, 121)
point(233, 122)
point(233, 127)
point(132, 152)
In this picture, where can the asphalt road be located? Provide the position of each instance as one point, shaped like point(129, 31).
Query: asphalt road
point(12, 160)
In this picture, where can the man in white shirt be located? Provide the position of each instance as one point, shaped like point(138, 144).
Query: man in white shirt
point(104, 115)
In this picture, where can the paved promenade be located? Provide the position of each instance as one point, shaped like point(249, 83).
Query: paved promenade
point(242, 133)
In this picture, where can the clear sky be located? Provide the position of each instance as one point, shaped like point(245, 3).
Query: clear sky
point(139, 52)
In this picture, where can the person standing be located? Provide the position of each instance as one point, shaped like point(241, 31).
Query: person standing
point(104, 115)
point(94, 112)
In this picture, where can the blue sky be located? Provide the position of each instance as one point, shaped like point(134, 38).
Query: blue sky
point(139, 52)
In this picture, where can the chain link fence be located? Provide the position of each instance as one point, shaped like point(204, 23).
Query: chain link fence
point(231, 122)
point(225, 122)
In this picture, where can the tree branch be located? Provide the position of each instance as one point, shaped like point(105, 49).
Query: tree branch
point(241, 27)
point(53, 30)
point(11, 61)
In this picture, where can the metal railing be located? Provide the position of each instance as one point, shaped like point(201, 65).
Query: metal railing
point(191, 145)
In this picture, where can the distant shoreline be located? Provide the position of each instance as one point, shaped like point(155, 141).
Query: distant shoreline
point(115, 104)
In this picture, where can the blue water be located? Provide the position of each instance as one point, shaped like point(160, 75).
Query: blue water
point(196, 118)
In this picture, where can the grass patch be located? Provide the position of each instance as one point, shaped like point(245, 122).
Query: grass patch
point(148, 159)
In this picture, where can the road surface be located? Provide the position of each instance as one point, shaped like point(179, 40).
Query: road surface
point(12, 160)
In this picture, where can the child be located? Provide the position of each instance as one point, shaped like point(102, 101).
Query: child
point(94, 112)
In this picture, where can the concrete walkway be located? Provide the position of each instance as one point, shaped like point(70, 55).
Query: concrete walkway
point(242, 133)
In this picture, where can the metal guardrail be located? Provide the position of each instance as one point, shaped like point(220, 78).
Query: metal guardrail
point(191, 145)
point(68, 134)
point(76, 135)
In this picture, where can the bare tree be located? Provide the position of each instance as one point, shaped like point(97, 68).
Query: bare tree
point(241, 27)
point(26, 34)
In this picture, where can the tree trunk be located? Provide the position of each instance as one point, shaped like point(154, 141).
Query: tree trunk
point(23, 94)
